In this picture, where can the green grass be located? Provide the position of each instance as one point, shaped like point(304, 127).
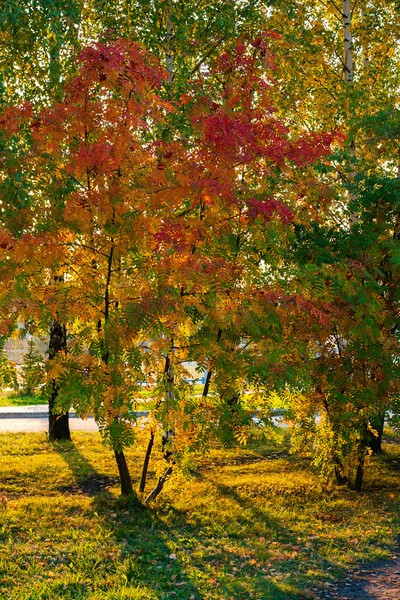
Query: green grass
point(251, 524)
point(9, 398)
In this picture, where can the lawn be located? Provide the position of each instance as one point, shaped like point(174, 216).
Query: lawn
point(10, 398)
point(252, 523)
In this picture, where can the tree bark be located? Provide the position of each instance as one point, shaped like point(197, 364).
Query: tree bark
point(347, 42)
point(340, 479)
point(168, 372)
point(58, 424)
point(156, 491)
point(362, 452)
point(375, 441)
point(146, 463)
point(125, 478)
point(359, 475)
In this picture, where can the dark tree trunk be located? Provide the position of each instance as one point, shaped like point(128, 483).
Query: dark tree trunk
point(340, 479)
point(58, 424)
point(359, 475)
point(146, 463)
point(228, 419)
point(126, 482)
point(362, 452)
point(156, 491)
point(375, 441)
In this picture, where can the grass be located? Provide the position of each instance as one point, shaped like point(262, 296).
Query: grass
point(10, 398)
point(252, 523)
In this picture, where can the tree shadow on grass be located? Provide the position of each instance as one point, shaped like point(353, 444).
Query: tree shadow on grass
point(146, 560)
point(165, 550)
point(88, 480)
point(185, 560)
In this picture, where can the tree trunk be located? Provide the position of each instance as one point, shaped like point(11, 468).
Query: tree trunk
point(156, 491)
point(340, 478)
point(348, 75)
point(146, 463)
point(58, 424)
point(347, 42)
point(126, 482)
point(375, 441)
point(359, 475)
point(168, 372)
point(362, 452)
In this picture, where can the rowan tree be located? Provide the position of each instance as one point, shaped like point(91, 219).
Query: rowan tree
point(141, 230)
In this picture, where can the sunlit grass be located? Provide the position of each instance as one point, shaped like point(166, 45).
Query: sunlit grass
point(251, 523)
point(11, 398)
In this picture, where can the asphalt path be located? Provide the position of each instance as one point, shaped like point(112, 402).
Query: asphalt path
point(35, 418)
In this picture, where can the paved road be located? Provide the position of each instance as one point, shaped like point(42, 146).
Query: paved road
point(35, 425)
point(35, 418)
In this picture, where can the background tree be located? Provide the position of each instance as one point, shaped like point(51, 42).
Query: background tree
point(32, 370)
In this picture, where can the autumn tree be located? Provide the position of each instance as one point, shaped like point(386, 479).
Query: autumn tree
point(346, 58)
point(150, 229)
point(39, 56)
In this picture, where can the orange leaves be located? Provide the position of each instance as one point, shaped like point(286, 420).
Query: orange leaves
point(6, 240)
point(54, 369)
point(165, 221)
point(12, 117)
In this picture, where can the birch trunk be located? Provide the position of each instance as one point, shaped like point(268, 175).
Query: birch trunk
point(169, 54)
point(348, 74)
point(347, 42)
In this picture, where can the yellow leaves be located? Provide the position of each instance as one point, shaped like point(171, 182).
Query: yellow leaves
point(108, 396)
point(241, 435)
point(86, 360)
point(42, 292)
point(54, 370)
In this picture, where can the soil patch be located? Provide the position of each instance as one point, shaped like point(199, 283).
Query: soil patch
point(378, 581)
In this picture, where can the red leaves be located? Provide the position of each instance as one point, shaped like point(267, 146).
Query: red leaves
point(170, 235)
point(267, 208)
point(122, 64)
point(13, 116)
point(312, 147)
point(98, 156)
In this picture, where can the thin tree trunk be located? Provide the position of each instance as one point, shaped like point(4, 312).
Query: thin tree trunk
point(146, 463)
point(361, 454)
point(160, 484)
point(362, 451)
point(348, 75)
point(169, 54)
point(126, 482)
point(337, 464)
point(207, 384)
point(125, 478)
point(168, 372)
point(58, 424)
point(340, 478)
point(359, 475)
